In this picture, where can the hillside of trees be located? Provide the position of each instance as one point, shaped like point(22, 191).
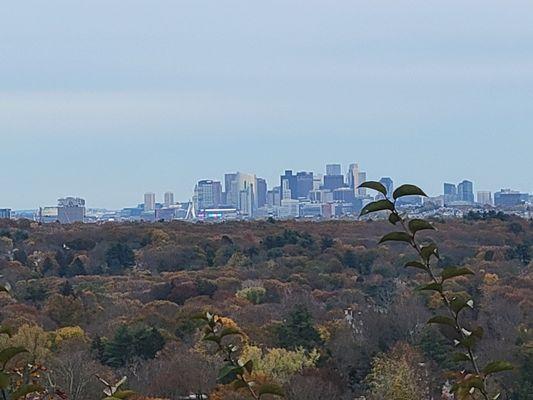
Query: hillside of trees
point(325, 311)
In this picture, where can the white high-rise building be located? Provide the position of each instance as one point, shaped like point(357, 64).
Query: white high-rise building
point(351, 176)
point(484, 198)
point(149, 202)
point(169, 199)
point(361, 177)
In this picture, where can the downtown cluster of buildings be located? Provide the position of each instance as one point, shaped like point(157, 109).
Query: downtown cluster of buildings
point(301, 194)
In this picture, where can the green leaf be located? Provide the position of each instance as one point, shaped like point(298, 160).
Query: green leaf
point(249, 366)
point(408, 190)
point(394, 218)
point(429, 250)
point(472, 338)
point(211, 338)
point(452, 272)
point(228, 374)
point(123, 394)
point(229, 331)
point(10, 352)
point(25, 390)
point(460, 357)
point(200, 316)
point(5, 287)
point(497, 366)
point(396, 237)
point(416, 225)
point(431, 286)
point(457, 304)
point(4, 380)
point(374, 185)
point(379, 205)
point(416, 264)
point(270, 388)
point(441, 319)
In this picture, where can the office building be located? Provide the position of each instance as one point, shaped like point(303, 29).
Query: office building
point(261, 192)
point(321, 196)
point(290, 208)
point(465, 191)
point(351, 176)
point(361, 177)
point(333, 169)
point(304, 184)
point(510, 198)
point(5, 213)
point(149, 202)
point(450, 193)
point(344, 194)
point(332, 182)
point(288, 183)
point(70, 209)
point(230, 196)
point(318, 181)
point(165, 214)
point(274, 196)
point(207, 194)
point(484, 198)
point(169, 199)
point(246, 200)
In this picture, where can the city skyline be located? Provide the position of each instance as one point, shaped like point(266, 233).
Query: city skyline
point(109, 101)
point(167, 196)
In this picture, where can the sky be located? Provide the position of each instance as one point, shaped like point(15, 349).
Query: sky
point(109, 99)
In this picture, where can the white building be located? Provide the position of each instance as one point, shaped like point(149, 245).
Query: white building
point(169, 199)
point(149, 202)
point(484, 198)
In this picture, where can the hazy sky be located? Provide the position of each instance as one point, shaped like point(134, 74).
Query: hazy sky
point(108, 99)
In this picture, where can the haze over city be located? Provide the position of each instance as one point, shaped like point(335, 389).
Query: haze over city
point(109, 100)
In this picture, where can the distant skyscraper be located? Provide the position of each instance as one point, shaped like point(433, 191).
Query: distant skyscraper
point(304, 184)
point(318, 181)
point(207, 194)
point(389, 185)
point(5, 213)
point(169, 199)
point(351, 176)
point(274, 196)
point(261, 192)
point(332, 182)
point(465, 191)
point(231, 189)
point(450, 193)
point(333, 169)
point(149, 202)
point(247, 201)
point(289, 186)
point(484, 198)
point(70, 209)
point(450, 189)
point(361, 177)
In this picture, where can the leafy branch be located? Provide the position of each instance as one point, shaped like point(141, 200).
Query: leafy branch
point(469, 381)
point(234, 371)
